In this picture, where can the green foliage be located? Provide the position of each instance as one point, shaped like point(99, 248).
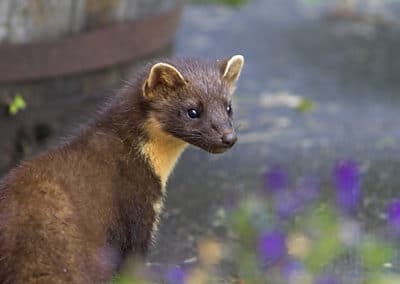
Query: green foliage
point(383, 279)
point(326, 244)
point(375, 253)
point(250, 218)
point(17, 104)
point(323, 219)
point(324, 251)
point(248, 267)
point(306, 105)
point(128, 279)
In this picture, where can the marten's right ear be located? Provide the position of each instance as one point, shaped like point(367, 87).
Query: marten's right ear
point(162, 74)
point(231, 69)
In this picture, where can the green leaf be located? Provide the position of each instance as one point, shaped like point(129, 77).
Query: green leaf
point(324, 219)
point(324, 252)
point(306, 105)
point(386, 142)
point(374, 253)
point(127, 278)
point(248, 268)
point(384, 279)
point(243, 227)
point(327, 246)
point(16, 105)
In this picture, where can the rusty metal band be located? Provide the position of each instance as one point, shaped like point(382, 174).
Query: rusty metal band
point(114, 44)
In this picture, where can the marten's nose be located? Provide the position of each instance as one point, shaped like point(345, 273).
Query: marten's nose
point(229, 138)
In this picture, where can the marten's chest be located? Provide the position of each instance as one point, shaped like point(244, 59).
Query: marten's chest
point(142, 190)
point(141, 200)
point(161, 150)
point(136, 213)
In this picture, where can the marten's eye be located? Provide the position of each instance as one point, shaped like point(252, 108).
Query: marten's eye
point(229, 109)
point(193, 113)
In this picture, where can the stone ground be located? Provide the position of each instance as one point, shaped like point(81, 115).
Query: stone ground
point(349, 69)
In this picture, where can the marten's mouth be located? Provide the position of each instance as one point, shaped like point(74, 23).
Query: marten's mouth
point(212, 147)
point(220, 150)
point(217, 149)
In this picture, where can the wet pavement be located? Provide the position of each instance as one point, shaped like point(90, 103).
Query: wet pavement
point(348, 69)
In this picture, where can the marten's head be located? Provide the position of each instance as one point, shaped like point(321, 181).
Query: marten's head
point(192, 100)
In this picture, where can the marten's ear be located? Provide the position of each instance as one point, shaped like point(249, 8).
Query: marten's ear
point(231, 68)
point(162, 74)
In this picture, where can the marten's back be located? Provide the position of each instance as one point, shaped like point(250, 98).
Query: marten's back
point(41, 229)
point(69, 215)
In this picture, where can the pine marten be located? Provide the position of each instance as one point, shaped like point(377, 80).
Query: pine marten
point(65, 213)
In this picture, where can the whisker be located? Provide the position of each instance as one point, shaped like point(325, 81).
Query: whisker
point(128, 83)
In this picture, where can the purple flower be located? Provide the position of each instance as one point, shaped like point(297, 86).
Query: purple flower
point(308, 189)
point(176, 275)
point(276, 179)
point(272, 247)
point(286, 204)
point(348, 185)
point(292, 268)
point(327, 279)
point(393, 213)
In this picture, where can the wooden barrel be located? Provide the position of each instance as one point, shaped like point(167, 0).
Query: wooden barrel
point(48, 38)
point(26, 21)
point(61, 56)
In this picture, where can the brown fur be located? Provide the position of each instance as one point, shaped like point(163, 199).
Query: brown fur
point(74, 213)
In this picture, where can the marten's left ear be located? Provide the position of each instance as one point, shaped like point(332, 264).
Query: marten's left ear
point(231, 69)
point(162, 74)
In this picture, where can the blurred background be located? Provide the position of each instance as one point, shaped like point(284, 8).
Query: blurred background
point(310, 192)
